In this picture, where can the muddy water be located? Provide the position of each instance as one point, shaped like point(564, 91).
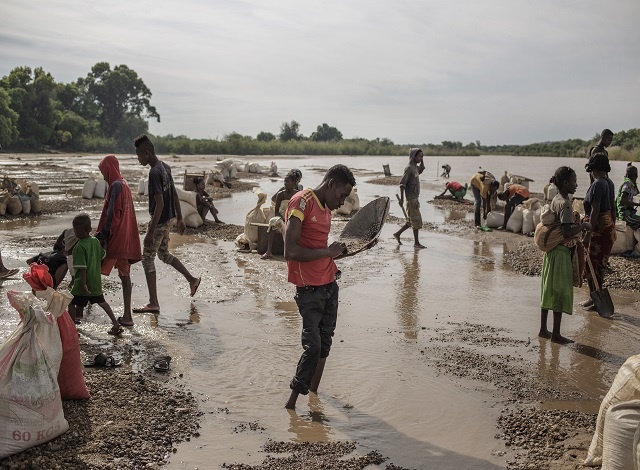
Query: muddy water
point(237, 343)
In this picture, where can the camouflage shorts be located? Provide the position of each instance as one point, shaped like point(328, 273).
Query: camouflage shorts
point(160, 247)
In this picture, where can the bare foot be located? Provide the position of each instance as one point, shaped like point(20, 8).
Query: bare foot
point(397, 237)
point(544, 334)
point(291, 403)
point(419, 246)
point(560, 339)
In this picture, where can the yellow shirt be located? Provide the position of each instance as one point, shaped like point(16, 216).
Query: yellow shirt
point(483, 186)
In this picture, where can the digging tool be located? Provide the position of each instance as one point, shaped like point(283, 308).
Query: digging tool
point(402, 207)
point(601, 298)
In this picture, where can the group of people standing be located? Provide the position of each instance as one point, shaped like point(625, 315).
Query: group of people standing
point(595, 234)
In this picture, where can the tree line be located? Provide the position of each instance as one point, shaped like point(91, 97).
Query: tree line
point(105, 110)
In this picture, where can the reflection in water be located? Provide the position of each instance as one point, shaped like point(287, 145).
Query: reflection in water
point(194, 315)
point(407, 296)
point(312, 427)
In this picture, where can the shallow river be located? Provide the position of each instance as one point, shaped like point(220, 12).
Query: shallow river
point(237, 344)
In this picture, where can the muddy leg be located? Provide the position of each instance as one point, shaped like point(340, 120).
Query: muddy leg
point(291, 404)
point(556, 337)
point(317, 375)
point(544, 332)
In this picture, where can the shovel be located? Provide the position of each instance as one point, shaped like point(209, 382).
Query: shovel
point(402, 207)
point(601, 298)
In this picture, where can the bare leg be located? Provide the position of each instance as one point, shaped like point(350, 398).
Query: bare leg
point(399, 232)
point(544, 332)
point(59, 275)
point(153, 290)
point(214, 213)
point(126, 298)
point(178, 266)
point(417, 243)
point(556, 337)
point(508, 209)
point(107, 308)
point(268, 254)
point(317, 375)
point(291, 403)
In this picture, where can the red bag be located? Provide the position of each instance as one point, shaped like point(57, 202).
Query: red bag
point(70, 378)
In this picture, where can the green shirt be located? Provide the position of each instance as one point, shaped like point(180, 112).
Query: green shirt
point(88, 254)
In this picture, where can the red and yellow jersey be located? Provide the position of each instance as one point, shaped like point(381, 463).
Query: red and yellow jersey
point(316, 223)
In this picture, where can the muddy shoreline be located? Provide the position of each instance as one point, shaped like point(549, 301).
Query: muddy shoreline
point(164, 412)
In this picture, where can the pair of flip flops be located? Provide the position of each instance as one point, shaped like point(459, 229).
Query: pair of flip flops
point(103, 360)
point(162, 363)
point(9, 273)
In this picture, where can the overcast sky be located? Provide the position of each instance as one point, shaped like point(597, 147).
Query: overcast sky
point(498, 71)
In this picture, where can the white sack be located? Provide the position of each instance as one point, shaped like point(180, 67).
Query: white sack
point(89, 188)
point(515, 221)
point(625, 387)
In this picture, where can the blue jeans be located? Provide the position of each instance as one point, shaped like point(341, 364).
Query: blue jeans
point(476, 195)
point(318, 306)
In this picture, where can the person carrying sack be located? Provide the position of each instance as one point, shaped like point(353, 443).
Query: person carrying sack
point(557, 278)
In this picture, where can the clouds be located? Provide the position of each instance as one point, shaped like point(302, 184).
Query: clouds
point(500, 71)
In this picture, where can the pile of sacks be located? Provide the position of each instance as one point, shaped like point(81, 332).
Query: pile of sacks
point(39, 366)
point(524, 219)
point(19, 197)
point(95, 186)
point(248, 240)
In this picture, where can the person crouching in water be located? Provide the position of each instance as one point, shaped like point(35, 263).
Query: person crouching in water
point(557, 267)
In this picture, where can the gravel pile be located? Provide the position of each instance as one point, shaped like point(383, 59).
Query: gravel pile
point(131, 421)
point(535, 436)
point(313, 456)
point(624, 273)
point(540, 436)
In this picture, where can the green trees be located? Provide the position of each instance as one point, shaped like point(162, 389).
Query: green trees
point(119, 99)
point(103, 111)
point(326, 133)
point(8, 120)
point(290, 131)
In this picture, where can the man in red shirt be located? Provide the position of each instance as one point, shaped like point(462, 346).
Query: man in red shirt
point(311, 266)
point(514, 195)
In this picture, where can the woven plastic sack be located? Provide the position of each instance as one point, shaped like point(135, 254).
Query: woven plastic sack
point(620, 425)
point(625, 387)
point(30, 404)
point(70, 378)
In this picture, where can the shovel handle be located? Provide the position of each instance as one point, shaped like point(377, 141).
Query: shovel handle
point(593, 273)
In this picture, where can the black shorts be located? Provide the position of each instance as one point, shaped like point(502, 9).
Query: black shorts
point(83, 300)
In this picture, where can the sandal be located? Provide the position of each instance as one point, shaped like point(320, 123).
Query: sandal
point(102, 360)
point(125, 324)
point(162, 363)
point(116, 330)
